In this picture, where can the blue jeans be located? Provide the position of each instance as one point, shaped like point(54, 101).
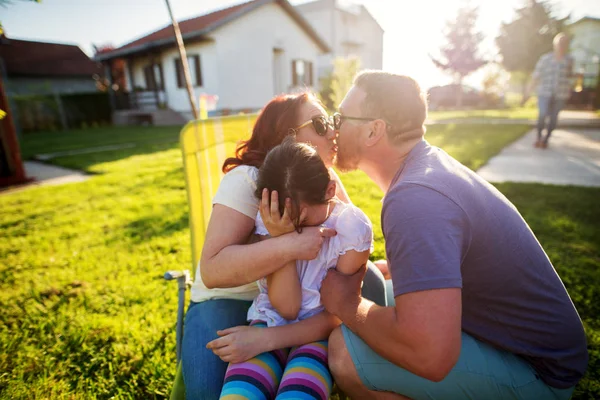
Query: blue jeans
point(549, 107)
point(203, 372)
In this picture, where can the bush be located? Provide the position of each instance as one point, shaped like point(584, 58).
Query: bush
point(42, 113)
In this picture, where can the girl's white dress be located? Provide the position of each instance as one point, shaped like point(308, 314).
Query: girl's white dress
point(354, 232)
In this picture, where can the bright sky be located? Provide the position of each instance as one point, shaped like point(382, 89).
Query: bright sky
point(413, 30)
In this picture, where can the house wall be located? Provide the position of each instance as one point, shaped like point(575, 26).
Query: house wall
point(237, 65)
point(46, 86)
point(177, 98)
point(585, 44)
point(245, 57)
point(349, 30)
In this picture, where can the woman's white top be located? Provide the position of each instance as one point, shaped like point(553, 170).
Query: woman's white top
point(236, 191)
point(354, 232)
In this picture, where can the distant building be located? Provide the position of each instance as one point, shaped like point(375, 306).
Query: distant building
point(243, 54)
point(41, 68)
point(348, 29)
point(585, 49)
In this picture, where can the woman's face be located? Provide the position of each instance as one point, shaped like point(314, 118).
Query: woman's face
point(325, 145)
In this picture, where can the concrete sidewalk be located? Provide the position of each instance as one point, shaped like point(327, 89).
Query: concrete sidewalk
point(572, 158)
point(45, 174)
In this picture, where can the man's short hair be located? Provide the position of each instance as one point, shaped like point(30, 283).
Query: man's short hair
point(559, 37)
point(397, 99)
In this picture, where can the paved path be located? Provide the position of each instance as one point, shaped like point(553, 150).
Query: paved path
point(45, 174)
point(572, 158)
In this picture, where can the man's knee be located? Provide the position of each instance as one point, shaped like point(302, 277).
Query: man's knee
point(340, 362)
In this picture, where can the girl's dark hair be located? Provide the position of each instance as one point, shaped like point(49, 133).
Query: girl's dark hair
point(297, 172)
point(271, 127)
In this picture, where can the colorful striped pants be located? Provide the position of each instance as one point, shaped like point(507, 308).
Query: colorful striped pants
point(301, 374)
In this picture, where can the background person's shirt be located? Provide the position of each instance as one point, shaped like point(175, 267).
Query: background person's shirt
point(554, 76)
point(445, 227)
point(236, 191)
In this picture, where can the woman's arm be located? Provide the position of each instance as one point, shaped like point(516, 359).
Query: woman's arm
point(318, 327)
point(241, 343)
point(227, 261)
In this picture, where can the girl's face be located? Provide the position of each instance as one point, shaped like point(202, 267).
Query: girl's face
point(316, 214)
point(325, 145)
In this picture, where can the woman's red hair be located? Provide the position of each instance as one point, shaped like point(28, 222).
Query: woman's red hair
point(272, 126)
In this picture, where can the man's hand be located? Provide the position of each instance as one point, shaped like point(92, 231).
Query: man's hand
point(239, 344)
point(339, 290)
point(276, 223)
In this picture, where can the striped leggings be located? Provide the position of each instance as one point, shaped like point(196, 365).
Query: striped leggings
point(301, 374)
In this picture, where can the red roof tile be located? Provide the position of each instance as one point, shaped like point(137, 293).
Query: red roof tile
point(28, 58)
point(189, 25)
point(203, 24)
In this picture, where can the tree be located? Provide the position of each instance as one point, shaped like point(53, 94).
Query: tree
point(524, 40)
point(460, 54)
point(336, 84)
point(117, 70)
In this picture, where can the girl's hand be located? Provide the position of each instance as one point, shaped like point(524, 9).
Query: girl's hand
point(276, 223)
point(239, 344)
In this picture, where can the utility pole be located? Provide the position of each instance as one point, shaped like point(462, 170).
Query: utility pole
point(184, 62)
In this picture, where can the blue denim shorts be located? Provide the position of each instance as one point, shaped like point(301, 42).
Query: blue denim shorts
point(482, 372)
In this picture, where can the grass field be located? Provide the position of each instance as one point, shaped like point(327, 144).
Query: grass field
point(86, 313)
point(524, 113)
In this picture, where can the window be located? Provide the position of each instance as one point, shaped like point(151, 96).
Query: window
point(302, 73)
point(195, 71)
point(153, 75)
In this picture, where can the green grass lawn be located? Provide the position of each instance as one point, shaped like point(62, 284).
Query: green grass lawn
point(85, 311)
point(524, 113)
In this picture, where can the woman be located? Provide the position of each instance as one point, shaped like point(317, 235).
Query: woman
point(231, 262)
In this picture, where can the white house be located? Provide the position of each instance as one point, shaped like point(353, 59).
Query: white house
point(585, 49)
point(244, 54)
point(348, 29)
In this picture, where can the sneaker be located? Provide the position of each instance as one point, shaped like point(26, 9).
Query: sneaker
point(537, 144)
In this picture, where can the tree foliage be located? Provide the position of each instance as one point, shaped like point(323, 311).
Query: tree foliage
point(336, 84)
point(524, 40)
point(459, 56)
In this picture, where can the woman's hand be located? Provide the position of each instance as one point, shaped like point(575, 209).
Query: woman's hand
point(306, 245)
point(276, 223)
point(239, 344)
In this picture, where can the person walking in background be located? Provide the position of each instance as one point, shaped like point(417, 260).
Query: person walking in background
point(552, 76)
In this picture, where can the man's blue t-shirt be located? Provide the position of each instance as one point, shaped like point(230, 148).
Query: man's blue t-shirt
point(445, 227)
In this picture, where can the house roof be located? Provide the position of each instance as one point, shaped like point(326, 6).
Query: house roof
point(196, 28)
point(30, 58)
point(348, 7)
point(580, 20)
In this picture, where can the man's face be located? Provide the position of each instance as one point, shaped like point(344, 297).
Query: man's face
point(350, 133)
point(562, 47)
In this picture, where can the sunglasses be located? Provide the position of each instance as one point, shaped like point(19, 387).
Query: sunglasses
point(320, 123)
point(338, 119)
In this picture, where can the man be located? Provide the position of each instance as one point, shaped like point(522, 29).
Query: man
point(552, 76)
point(479, 310)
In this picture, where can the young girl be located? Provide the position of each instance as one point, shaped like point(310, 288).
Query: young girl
point(291, 294)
